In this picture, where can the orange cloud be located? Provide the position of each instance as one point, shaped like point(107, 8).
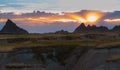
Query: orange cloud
point(87, 17)
point(112, 20)
point(76, 17)
point(2, 20)
point(44, 19)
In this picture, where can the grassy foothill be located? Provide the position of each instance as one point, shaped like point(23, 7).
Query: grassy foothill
point(58, 40)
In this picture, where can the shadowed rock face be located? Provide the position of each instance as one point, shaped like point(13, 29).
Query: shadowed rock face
point(116, 29)
point(99, 59)
point(82, 28)
point(11, 28)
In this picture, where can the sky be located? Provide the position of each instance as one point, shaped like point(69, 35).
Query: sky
point(42, 16)
point(58, 5)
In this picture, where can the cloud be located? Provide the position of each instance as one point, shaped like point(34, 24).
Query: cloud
point(60, 5)
point(2, 5)
point(112, 20)
point(50, 22)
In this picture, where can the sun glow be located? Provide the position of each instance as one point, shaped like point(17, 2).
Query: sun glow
point(92, 18)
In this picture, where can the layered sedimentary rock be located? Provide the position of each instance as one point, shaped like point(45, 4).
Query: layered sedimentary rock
point(105, 58)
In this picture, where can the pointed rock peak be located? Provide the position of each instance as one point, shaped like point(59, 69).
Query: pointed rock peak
point(88, 25)
point(81, 28)
point(82, 24)
point(11, 28)
point(9, 22)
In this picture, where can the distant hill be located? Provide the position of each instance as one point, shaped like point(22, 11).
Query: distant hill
point(84, 29)
point(11, 28)
point(61, 32)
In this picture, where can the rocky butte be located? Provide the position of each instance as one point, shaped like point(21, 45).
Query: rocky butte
point(93, 29)
point(11, 28)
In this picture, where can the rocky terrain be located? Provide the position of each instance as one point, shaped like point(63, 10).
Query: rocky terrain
point(62, 58)
point(103, 58)
point(88, 48)
point(60, 51)
point(95, 29)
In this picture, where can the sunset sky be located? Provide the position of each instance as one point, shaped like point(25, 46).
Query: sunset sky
point(55, 15)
